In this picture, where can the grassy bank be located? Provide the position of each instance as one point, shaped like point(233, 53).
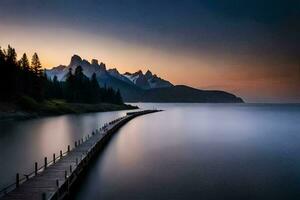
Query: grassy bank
point(27, 107)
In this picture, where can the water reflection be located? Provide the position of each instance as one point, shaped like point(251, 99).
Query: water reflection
point(24, 142)
point(202, 151)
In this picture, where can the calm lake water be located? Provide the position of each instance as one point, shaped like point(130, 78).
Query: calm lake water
point(23, 143)
point(201, 151)
point(189, 151)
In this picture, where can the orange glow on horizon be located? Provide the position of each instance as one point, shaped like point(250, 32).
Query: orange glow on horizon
point(245, 77)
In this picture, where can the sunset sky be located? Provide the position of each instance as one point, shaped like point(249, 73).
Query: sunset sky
point(250, 48)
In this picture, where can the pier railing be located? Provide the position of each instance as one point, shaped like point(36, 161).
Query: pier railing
point(21, 179)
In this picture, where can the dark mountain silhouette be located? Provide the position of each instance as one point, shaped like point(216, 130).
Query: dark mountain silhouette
point(182, 93)
point(139, 87)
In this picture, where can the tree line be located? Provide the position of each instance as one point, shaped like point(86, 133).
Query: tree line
point(24, 78)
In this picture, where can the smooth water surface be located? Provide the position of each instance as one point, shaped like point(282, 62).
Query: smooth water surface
point(201, 151)
point(24, 142)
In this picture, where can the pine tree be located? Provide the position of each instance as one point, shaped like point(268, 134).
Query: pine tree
point(94, 81)
point(2, 57)
point(10, 73)
point(57, 88)
point(2, 75)
point(79, 85)
point(70, 75)
point(36, 65)
point(70, 85)
point(118, 97)
point(95, 89)
point(38, 83)
point(24, 63)
point(79, 73)
point(11, 55)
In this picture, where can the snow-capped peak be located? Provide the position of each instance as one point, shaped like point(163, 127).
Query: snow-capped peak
point(115, 73)
point(133, 77)
point(147, 80)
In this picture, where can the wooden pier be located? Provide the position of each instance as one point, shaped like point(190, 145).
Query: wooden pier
point(55, 179)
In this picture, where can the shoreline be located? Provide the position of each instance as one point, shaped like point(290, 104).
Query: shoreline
point(14, 112)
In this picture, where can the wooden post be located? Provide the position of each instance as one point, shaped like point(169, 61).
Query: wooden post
point(66, 174)
point(54, 158)
point(68, 148)
point(70, 169)
point(35, 168)
point(57, 183)
point(45, 162)
point(44, 197)
point(60, 153)
point(17, 180)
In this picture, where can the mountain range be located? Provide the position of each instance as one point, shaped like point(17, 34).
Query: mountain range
point(140, 87)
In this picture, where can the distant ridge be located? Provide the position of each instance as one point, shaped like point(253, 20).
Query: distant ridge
point(140, 87)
